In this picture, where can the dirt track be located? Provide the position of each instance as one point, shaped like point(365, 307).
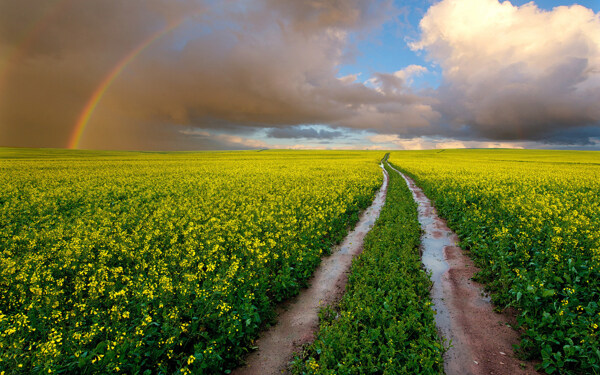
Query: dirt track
point(297, 320)
point(481, 338)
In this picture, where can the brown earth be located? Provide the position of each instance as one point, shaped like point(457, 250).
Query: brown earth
point(298, 319)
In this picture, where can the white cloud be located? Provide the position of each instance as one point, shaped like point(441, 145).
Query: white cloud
point(410, 71)
point(350, 78)
point(514, 72)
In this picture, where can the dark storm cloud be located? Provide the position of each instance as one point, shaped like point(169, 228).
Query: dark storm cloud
point(582, 136)
point(236, 64)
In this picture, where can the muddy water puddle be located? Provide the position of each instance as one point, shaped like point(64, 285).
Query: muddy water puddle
point(298, 320)
point(480, 339)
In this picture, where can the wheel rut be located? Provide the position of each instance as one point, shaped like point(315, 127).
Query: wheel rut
point(298, 320)
point(481, 340)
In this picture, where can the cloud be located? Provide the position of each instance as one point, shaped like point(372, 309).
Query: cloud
point(303, 132)
point(308, 16)
point(393, 141)
point(397, 82)
point(195, 132)
point(235, 141)
point(514, 73)
point(223, 140)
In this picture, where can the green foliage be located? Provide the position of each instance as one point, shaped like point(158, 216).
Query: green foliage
point(531, 219)
point(158, 263)
point(384, 323)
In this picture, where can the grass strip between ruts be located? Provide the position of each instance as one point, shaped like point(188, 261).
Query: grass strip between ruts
point(384, 323)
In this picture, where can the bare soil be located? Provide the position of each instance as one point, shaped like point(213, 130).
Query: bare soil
point(298, 319)
point(481, 340)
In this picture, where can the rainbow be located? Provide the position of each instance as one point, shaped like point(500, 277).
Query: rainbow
point(92, 103)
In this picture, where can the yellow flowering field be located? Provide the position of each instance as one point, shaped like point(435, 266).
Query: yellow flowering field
point(531, 219)
point(157, 263)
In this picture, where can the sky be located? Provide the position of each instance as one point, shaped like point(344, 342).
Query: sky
point(314, 74)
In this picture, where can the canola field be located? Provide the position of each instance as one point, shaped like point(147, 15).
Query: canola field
point(531, 219)
point(115, 262)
